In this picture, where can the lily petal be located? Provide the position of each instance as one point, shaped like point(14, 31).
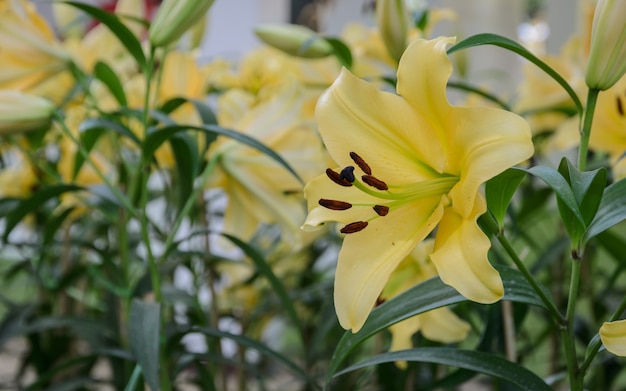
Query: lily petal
point(354, 116)
point(460, 256)
point(442, 325)
point(484, 142)
point(613, 336)
point(368, 257)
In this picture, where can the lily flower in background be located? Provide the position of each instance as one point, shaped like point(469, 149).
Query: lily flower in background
point(393, 22)
point(29, 52)
point(441, 324)
point(409, 163)
point(259, 189)
point(21, 112)
point(607, 54)
point(613, 336)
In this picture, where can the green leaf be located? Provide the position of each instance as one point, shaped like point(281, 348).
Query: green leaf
point(612, 210)
point(144, 331)
point(560, 186)
point(103, 72)
point(499, 192)
point(473, 360)
point(187, 159)
point(265, 270)
point(425, 296)
point(157, 137)
point(133, 382)
point(506, 43)
point(125, 36)
point(341, 51)
point(262, 349)
point(32, 203)
point(587, 187)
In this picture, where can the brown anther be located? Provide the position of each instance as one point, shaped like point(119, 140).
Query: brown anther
point(354, 227)
point(375, 182)
point(361, 163)
point(379, 301)
point(334, 204)
point(336, 177)
point(381, 210)
point(620, 108)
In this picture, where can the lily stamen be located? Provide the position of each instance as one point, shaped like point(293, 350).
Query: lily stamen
point(334, 204)
point(347, 174)
point(620, 108)
point(354, 227)
point(358, 160)
point(336, 177)
point(375, 182)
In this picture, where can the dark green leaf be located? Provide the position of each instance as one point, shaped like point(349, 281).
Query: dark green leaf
point(612, 209)
point(187, 159)
point(31, 204)
point(133, 382)
point(341, 51)
point(560, 186)
point(506, 43)
point(425, 296)
point(499, 192)
point(103, 72)
point(125, 36)
point(473, 360)
point(159, 136)
point(143, 331)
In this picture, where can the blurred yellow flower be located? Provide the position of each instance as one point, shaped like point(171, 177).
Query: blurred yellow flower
point(18, 180)
point(29, 52)
point(259, 189)
point(441, 324)
point(420, 164)
point(294, 39)
point(613, 336)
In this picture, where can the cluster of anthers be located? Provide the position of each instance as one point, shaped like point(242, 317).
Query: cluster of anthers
point(347, 178)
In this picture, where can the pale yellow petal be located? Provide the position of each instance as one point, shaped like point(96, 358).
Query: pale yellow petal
point(353, 116)
point(483, 143)
point(613, 336)
point(368, 257)
point(460, 256)
point(442, 325)
point(401, 334)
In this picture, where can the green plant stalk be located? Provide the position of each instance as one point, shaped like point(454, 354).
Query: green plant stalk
point(569, 344)
point(585, 132)
point(594, 348)
point(558, 318)
point(28, 153)
point(121, 198)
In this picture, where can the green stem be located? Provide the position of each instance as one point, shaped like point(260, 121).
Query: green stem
point(569, 342)
point(585, 132)
point(550, 306)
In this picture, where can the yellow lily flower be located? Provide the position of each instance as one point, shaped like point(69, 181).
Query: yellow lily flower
point(420, 163)
point(259, 189)
point(29, 52)
point(613, 336)
point(21, 113)
point(441, 324)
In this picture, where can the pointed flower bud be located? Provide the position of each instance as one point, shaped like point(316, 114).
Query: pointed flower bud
point(393, 22)
point(607, 56)
point(21, 113)
point(174, 18)
point(294, 39)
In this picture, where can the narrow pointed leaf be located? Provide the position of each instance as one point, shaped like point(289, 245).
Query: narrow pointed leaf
point(103, 72)
point(125, 36)
point(481, 362)
point(341, 51)
point(509, 44)
point(612, 209)
point(500, 190)
point(144, 331)
point(187, 159)
point(426, 296)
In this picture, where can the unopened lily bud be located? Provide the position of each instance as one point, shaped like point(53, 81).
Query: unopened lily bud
point(393, 22)
point(294, 39)
point(174, 18)
point(21, 113)
point(607, 54)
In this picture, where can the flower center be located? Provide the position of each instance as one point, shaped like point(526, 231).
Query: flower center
point(389, 196)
